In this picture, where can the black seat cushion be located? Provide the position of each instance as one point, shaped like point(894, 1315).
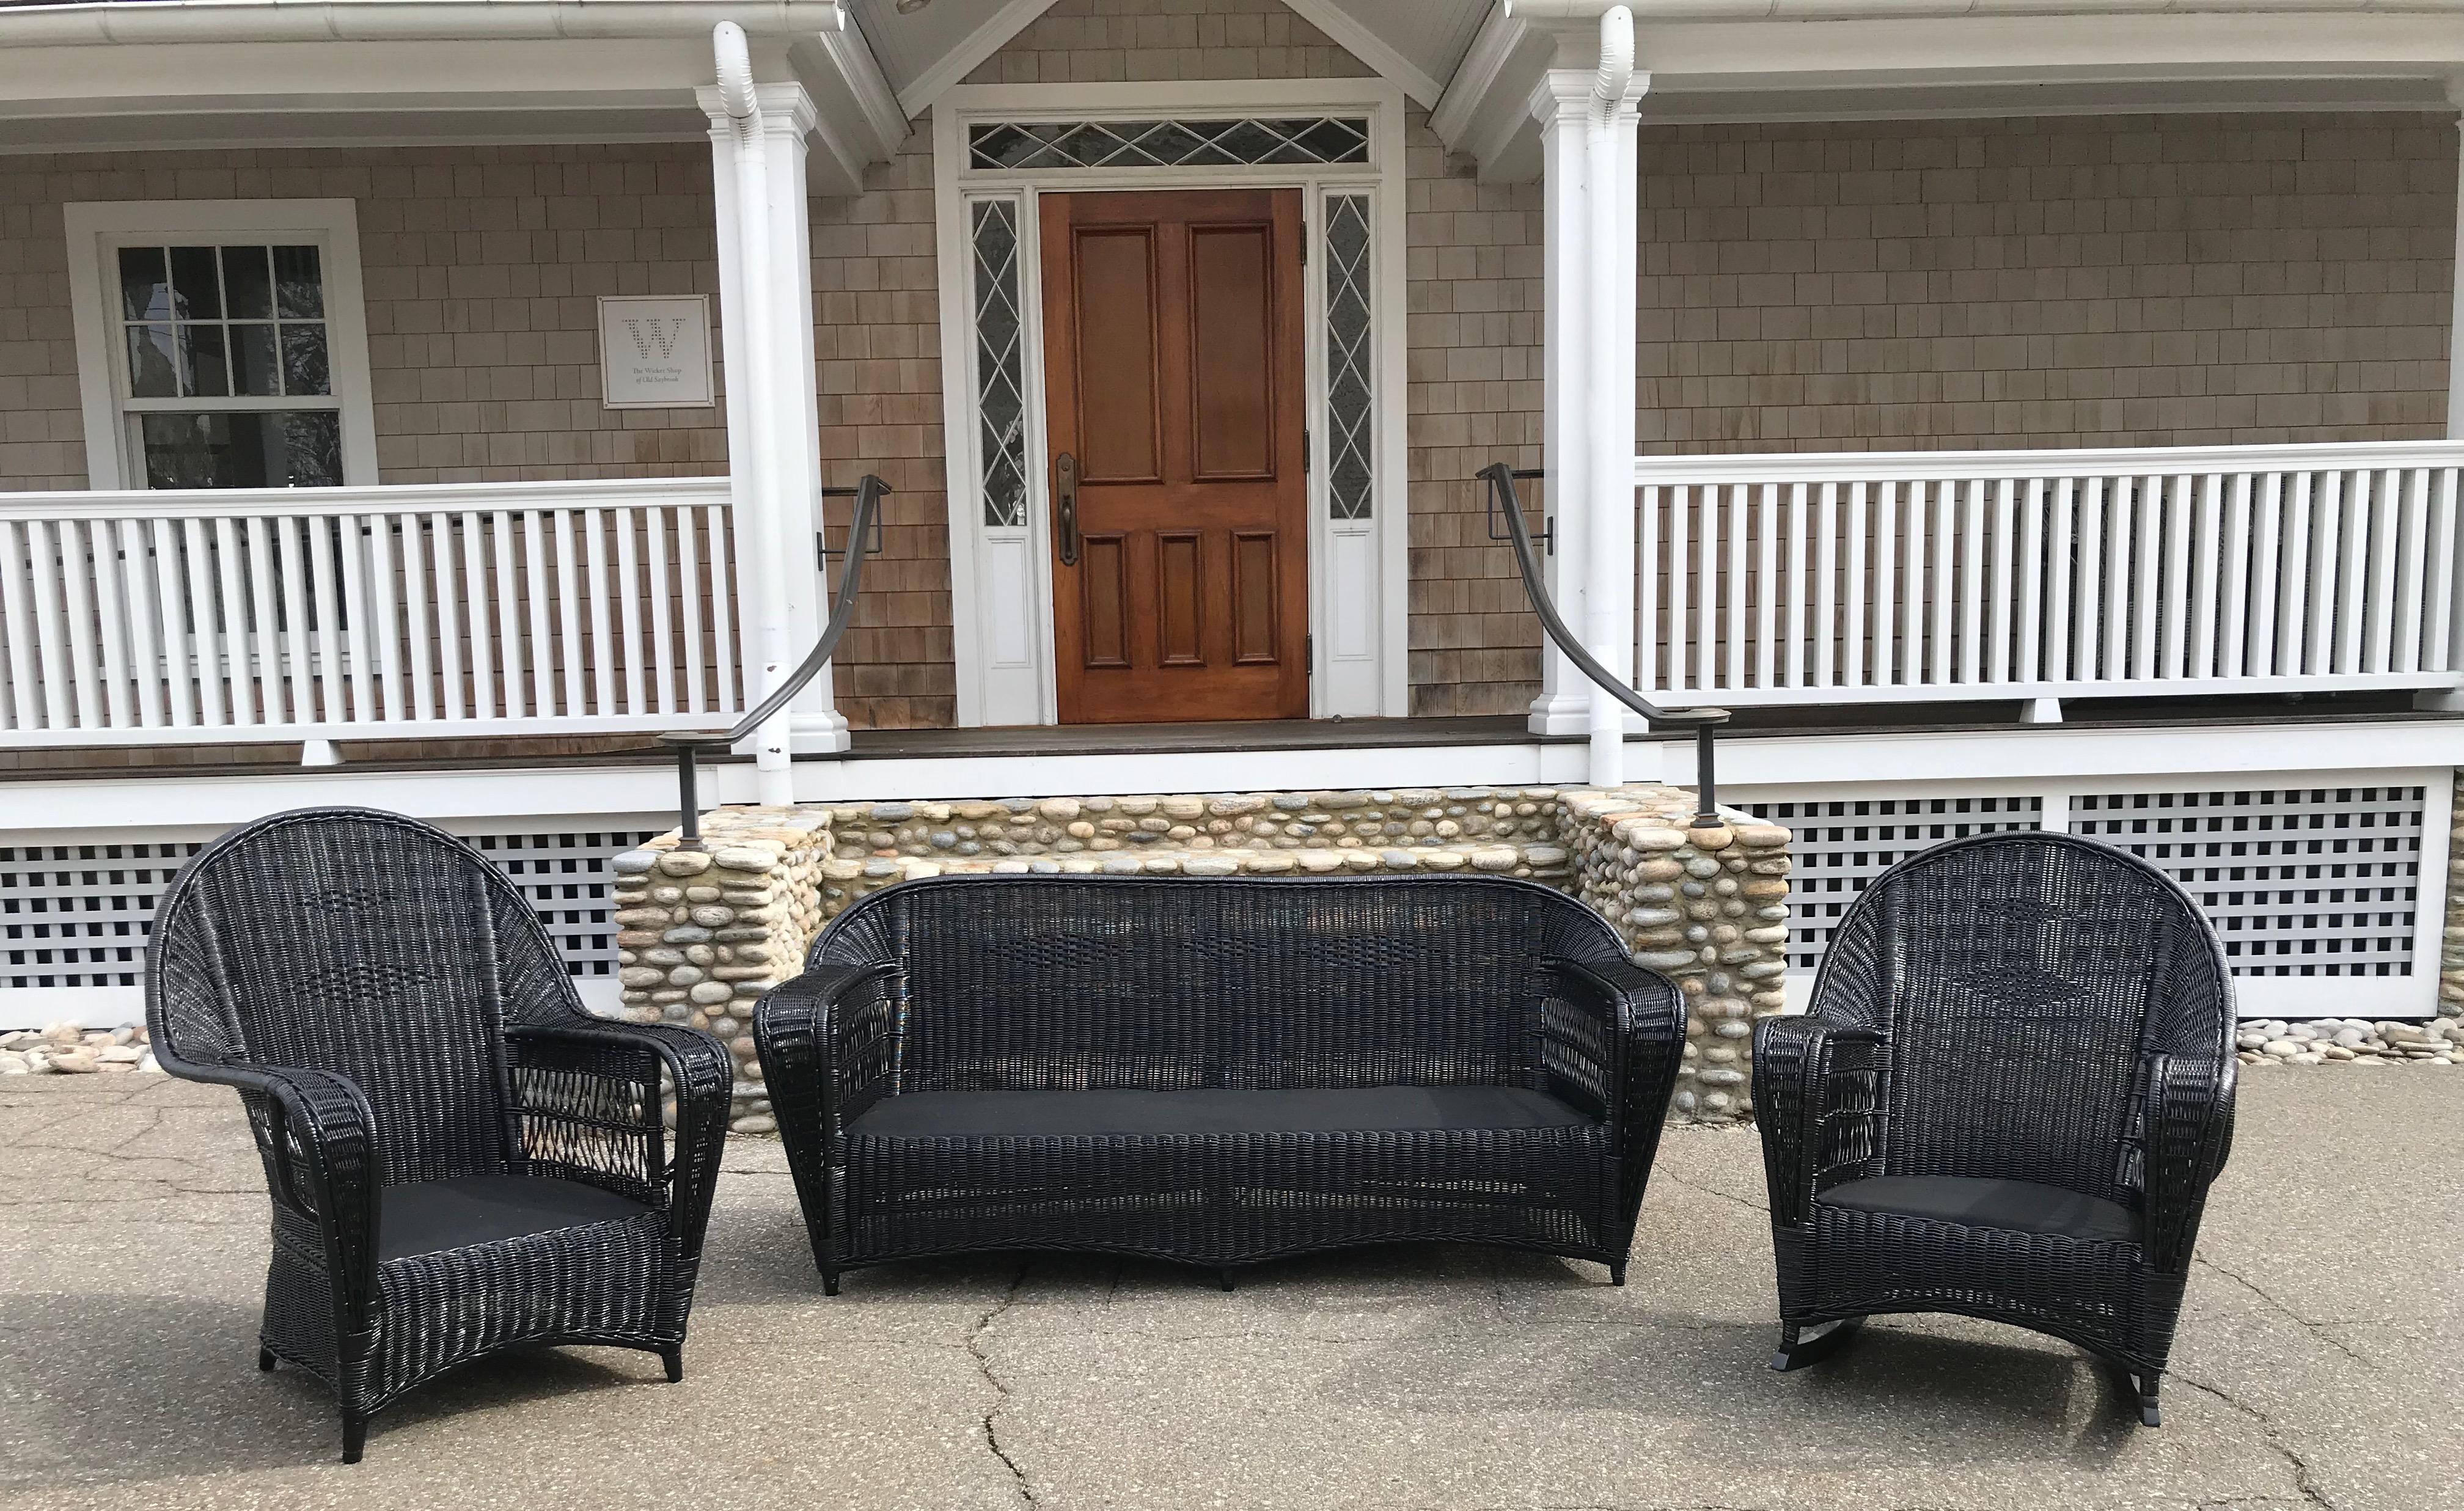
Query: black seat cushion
point(2022, 1206)
point(427, 1216)
point(1065, 1114)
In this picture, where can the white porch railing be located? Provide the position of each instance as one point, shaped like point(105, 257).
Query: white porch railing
point(1913, 576)
point(460, 609)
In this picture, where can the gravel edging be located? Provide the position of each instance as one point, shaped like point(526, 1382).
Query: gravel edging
point(70, 1049)
point(2349, 1041)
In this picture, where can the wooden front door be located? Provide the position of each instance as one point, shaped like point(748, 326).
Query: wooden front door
point(1171, 351)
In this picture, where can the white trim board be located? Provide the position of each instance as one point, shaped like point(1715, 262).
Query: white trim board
point(996, 32)
point(1002, 600)
point(2023, 758)
point(95, 230)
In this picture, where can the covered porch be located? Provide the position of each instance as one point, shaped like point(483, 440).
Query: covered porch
point(2017, 418)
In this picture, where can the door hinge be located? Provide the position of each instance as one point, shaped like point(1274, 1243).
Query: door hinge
point(1304, 249)
point(1308, 654)
point(1304, 448)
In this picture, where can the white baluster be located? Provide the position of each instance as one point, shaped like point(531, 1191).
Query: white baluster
point(663, 647)
point(602, 654)
point(270, 670)
point(722, 655)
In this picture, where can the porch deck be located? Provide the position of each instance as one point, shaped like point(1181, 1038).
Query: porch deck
point(2150, 715)
point(1425, 1377)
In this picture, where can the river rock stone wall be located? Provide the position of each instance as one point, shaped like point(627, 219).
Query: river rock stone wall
point(705, 934)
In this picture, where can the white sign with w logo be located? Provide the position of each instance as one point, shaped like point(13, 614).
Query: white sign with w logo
point(654, 352)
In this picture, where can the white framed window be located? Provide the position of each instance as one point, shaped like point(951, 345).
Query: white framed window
point(221, 343)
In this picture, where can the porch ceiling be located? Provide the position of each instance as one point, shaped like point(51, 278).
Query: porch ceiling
point(1728, 60)
point(90, 76)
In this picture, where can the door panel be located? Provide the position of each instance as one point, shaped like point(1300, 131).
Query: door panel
point(1181, 612)
point(1116, 330)
point(1103, 567)
point(1253, 596)
point(1230, 351)
point(1172, 371)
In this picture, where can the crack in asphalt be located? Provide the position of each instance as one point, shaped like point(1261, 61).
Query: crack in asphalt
point(1001, 1392)
point(2296, 1318)
point(2303, 1479)
point(1678, 1180)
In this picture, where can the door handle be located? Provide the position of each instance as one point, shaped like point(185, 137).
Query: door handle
point(1064, 490)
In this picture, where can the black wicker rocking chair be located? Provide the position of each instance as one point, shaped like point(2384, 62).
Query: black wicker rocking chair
point(460, 1159)
point(2008, 1098)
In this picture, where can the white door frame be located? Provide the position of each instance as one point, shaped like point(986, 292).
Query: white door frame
point(1000, 578)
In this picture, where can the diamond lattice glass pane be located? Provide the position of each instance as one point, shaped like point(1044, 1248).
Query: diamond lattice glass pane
point(1336, 141)
point(1167, 143)
point(1348, 359)
point(1251, 141)
point(1000, 397)
point(1001, 146)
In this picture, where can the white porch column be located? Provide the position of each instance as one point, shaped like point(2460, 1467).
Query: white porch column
point(766, 325)
point(1562, 105)
point(2451, 701)
point(2455, 316)
point(1608, 632)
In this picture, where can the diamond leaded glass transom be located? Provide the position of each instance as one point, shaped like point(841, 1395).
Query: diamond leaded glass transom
point(1230, 141)
point(1350, 358)
point(1001, 388)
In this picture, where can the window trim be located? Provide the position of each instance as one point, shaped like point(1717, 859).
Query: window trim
point(97, 230)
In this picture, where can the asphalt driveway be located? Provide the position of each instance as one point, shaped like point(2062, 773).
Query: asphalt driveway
point(2320, 1362)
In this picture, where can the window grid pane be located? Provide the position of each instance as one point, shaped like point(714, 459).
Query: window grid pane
point(1001, 389)
point(1349, 360)
point(199, 321)
point(1167, 143)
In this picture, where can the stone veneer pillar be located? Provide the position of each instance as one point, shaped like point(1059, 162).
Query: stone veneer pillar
point(704, 935)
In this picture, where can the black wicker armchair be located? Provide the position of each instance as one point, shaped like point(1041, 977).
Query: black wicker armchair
point(2008, 1098)
point(460, 1160)
point(1218, 1071)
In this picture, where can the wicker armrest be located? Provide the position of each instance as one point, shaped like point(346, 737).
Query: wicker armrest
point(317, 1137)
point(1817, 1086)
point(590, 1108)
point(1621, 1046)
point(824, 1059)
point(1643, 1014)
point(2189, 1113)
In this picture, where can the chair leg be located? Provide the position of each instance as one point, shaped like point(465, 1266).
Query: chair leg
point(1616, 1273)
point(354, 1436)
point(830, 1282)
point(1800, 1346)
point(673, 1357)
point(2141, 1388)
point(1223, 1276)
point(264, 1359)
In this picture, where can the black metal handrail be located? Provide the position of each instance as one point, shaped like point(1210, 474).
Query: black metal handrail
point(1501, 478)
point(864, 539)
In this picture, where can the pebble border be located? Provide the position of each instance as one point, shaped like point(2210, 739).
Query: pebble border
point(705, 934)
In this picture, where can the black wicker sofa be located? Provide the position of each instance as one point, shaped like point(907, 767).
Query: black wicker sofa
point(1218, 1070)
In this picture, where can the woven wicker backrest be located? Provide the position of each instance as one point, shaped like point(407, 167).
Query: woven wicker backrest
point(363, 944)
point(1170, 984)
point(2021, 978)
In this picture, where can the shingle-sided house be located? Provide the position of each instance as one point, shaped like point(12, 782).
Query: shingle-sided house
point(2021, 412)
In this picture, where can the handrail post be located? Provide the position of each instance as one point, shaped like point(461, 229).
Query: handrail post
point(687, 799)
point(1707, 782)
